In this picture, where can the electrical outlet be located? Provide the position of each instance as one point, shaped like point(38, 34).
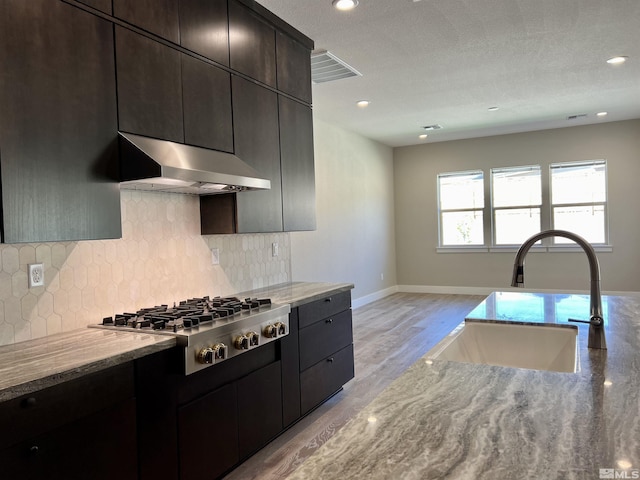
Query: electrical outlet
point(274, 249)
point(215, 256)
point(36, 275)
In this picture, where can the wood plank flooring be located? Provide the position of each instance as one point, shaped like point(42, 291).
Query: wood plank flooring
point(389, 336)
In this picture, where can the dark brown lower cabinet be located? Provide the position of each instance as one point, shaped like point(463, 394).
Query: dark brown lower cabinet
point(325, 378)
point(208, 434)
point(78, 430)
point(101, 446)
point(259, 408)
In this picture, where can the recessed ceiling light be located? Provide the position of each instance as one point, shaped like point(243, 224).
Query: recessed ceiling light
point(601, 114)
point(423, 136)
point(617, 60)
point(493, 109)
point(363, 103)
point(345, 4)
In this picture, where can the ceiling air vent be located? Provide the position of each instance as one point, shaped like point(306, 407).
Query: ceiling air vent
point(430, 128)
point(576, 117)
point(326, 67)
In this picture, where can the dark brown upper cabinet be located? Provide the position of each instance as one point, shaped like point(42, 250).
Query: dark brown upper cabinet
point(206, 96)
point(149, 87)
point(252, 45)
point(297, 165)
point(255, 118)
point(204, 28)
point(294, 67)
point(58, 150)
point(159, 17)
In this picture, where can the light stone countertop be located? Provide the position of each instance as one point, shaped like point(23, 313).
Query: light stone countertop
point(298, 293)
point(30, 366)
point(451, 420)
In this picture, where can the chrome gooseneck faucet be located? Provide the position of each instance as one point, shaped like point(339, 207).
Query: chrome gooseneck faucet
point(596, 320)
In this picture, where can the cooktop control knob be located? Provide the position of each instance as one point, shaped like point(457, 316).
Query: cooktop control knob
point(241, 342)
point(206, 356)
point(282, 328)
point(270, 331)
point(254, 339)
point(219, 351)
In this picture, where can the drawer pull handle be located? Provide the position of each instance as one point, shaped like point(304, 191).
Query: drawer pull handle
point(330, 359)
point(329, 320)
point(34, 450)
point(328, 299)
point(29, 402)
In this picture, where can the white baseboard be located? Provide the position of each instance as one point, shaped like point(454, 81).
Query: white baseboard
point(446, 289)
point(488, 290)
point(372, 297)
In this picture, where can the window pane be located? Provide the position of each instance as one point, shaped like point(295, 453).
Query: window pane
point(578, 183)
point(462, 228)
point(464, 190)
point(588, 222)
point(516, 187)
point(514, 226)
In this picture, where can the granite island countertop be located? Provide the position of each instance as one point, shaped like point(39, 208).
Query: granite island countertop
point(451, 420)
point(32, 365)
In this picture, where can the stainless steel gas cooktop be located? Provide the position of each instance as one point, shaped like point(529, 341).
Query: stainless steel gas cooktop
point(211, 330)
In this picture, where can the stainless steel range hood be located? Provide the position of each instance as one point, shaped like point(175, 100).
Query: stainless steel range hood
point(151, 164)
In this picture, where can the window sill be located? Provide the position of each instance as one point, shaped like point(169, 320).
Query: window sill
point(514, 249)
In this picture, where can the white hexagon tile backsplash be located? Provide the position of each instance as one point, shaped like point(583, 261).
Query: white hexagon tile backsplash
point(160, 258)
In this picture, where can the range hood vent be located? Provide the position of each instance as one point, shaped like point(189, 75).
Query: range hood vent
point(159, 165)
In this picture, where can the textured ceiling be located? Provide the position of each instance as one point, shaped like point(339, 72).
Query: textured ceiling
point(447, 61)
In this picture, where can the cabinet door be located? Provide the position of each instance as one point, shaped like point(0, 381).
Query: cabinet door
point(208, 434)
point(204, 28)
point(252, 44)
point(255, 121)
point(101, 446)
point(206, 96)
point(149, 87)
point(156, 16)
point(290, 356)
point(298, 171)
point(58, 123)
point(259, 408)
point(293, 62)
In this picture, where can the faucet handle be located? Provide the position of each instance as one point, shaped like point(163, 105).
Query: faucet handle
point(595, 321)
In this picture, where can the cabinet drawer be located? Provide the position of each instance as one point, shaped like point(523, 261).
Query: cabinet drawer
point(323, 308)
point(325, 378)
point(323, 338)
point(33, 414)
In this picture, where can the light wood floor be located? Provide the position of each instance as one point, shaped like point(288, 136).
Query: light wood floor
point(389, 336)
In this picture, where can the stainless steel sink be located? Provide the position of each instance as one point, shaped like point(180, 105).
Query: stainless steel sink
point(533, 346)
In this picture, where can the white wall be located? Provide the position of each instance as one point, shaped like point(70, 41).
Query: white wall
point(354, 240)
point(415, 171)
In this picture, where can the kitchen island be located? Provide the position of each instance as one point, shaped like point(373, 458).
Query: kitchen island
point(463, 421)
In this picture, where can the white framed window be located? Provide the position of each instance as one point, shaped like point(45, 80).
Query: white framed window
point(461, 208)
point(579, 200)
point(520, 202)
point(516, 201)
